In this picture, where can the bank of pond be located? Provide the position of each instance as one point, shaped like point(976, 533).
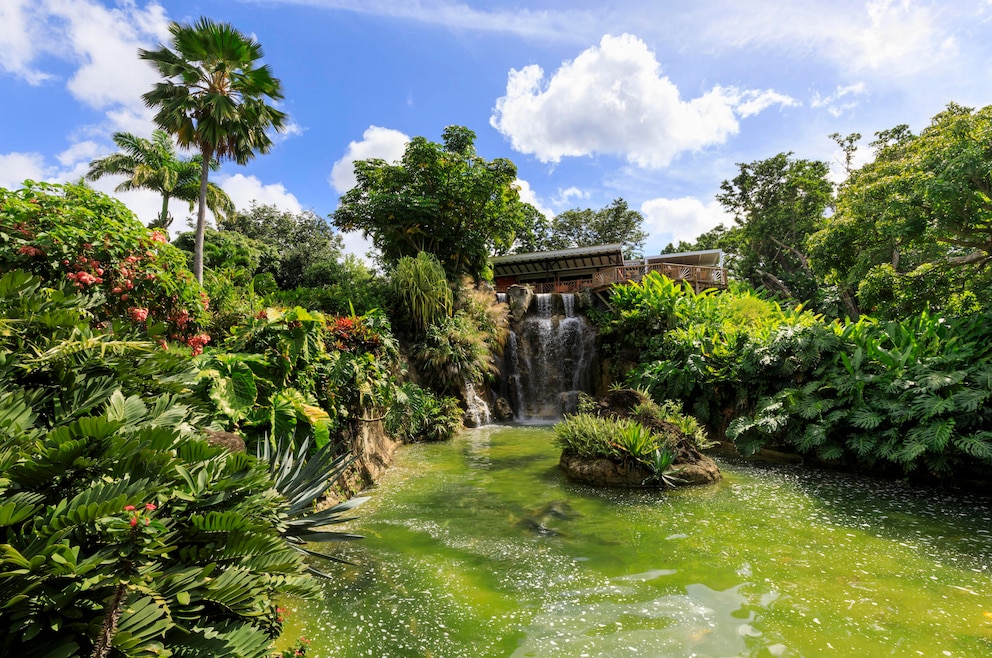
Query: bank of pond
point(482, 547)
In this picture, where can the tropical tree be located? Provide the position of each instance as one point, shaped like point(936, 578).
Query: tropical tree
point(154, 165)
point(214, 98)
point(777, 204)
point(913, 228)
point(440, 198)
point(614, 224)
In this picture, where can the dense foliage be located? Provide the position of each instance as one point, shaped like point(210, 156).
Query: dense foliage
point(909, 396)
point(440, 198)
point(122, 530)
point(913, 227)
point(72, 233)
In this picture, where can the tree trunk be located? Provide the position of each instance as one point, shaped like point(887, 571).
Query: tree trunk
point(201, 220)
point(163, 219)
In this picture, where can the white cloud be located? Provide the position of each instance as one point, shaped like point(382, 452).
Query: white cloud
point(84, 151)
point(528, 195)
point(834, 103)
point(686, 218)
point(18, 40)
point(568, 24)
point(355, 243)
point(613, 99)
point(243, 190)
point(893, 38)
point(564, 195)
point(753, 102)
point(15, 168)
point(377, 142)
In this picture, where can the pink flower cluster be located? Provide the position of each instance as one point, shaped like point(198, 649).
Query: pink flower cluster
point(197, 342)
point(28, 250)
point(158, 236)
point(138, 314)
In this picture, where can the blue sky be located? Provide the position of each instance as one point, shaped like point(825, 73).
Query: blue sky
point(652, 101)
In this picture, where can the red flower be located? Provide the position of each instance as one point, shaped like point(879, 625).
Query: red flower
point(150, 506)
point(129, 508)
point(134, 521)
point(138, 314)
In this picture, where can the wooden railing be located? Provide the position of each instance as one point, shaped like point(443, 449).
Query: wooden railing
point(698, 276)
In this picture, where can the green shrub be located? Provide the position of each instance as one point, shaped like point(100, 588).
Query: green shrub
point(614, 438)
point(454, 352)
point(70, 233)
point(416, 414)
point(422, 288)
point(122, 525)
point(52, 355)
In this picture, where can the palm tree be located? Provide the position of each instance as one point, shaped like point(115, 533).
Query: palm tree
point(154, 165)
point(214, 99)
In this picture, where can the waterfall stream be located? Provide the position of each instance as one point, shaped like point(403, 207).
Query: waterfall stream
point(548, 359)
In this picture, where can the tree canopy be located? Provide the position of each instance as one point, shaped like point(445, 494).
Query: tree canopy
point(914, 226)
point(306, 248)
point(214, 98)
point(614, 224)
point(443, 198)
point(777, 203)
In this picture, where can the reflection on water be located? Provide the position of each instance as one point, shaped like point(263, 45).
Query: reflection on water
point(481, 547)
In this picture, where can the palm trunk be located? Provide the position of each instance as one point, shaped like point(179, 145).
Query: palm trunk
point(201, 220)
point(163, 220)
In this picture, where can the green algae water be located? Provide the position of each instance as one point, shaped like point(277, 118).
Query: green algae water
point(481, 547)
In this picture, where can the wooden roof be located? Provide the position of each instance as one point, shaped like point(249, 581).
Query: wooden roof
point(563, 261)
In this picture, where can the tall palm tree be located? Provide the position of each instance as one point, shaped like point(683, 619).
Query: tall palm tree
point(214, 99)
point(154, 165)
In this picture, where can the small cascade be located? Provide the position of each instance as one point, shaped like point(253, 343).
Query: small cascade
point(548, 359)
point(501, 297)
point(477, 411)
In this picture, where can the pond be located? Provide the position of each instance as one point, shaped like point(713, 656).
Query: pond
point(481, 547)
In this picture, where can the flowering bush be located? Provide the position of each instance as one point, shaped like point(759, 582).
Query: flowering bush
point(75, 234)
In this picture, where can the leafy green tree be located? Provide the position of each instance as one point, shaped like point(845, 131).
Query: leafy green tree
point(307, 249)
point(213, 98)
point(154, 165)
point(440, 198)
point(614, 224)
point(777, 203)
point(913, 228)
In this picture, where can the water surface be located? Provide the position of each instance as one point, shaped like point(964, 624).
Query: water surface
point(481, 547)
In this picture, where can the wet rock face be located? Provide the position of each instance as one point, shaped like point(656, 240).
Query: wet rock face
point(519, 299)
point(502, 410)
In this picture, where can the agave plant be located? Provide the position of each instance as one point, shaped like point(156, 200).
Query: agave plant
point(661, 467)
point(303, 479)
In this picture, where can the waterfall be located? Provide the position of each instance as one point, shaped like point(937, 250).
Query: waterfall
point(548, 359)
point(477, 411)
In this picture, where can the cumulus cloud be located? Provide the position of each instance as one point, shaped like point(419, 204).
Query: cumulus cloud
point(564, 196)
point(15, 168)
point(18, 40)
point(377, 142)
point(686, 218)
point(841, 100)
point(528, 195)
point(613, 99)
point(243, 190)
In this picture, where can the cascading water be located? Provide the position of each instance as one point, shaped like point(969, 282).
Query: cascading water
point(548, 359)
